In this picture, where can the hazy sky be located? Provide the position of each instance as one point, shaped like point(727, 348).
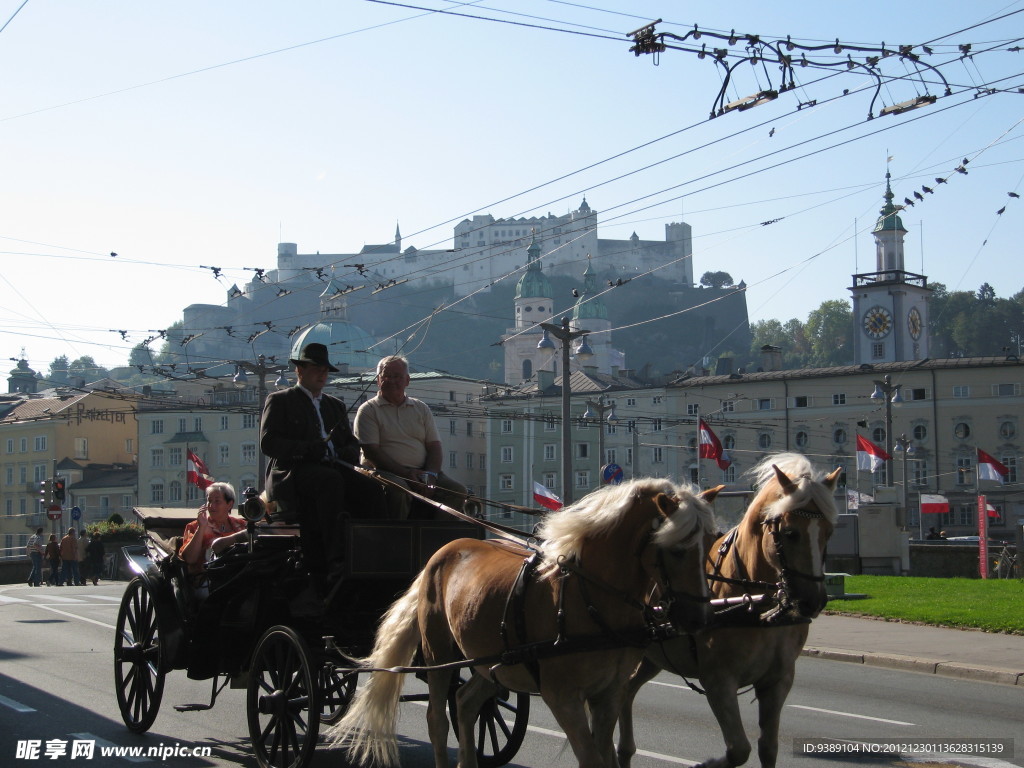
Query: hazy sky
point(193, 134)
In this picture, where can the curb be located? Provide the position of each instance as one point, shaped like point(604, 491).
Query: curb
point(955, 669)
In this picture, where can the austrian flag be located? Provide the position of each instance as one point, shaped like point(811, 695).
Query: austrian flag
point(990, 469)
point(546, 498)
point(710, 447)
point(870, 457)
point(198, 474)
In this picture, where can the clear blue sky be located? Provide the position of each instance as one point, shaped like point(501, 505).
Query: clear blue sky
point(195, 133)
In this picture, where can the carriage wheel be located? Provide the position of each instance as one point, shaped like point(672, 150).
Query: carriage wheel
point(500, 726)
point(138, 658)
point(337, 687)
point(282, 700)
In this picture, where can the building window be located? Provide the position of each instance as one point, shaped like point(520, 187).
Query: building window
point(469, 460)
point(181, 424)
point(10, 445)
point(249, 421)
point(129, 445)
point(223, 423)
point(174, 457)
point(506, 426)
point(692, 409)
point(582, 479)
point(629, 456)
point(549, 424)
point(40, 472)
point(961, 391)
point(657, 457)
point(801, 439)
point(453, 459)
point(630, 401)
point(919, 393)
point(223, 454)
point(128, 501)
point(156, 457)
point(963, 471)
point(549, 452)
point(919, 476)
point(839, 436)
point(9, 474)
point(656, 400)
point(728, 406)
point(764, 441)
point(878, 350)
point(192, 492)
point(729, 474)
point(801, 401)
point(451, 426)
point(656, 425)
point(39, 444)
point(81, 448)
point(507, 454)
point(764, 404)
point(248, 453)
point(839, 398)
point(469, 429)
point(729, 442)
point(174, 491)
point(156, 491)
point(157, 427)
point(920, 432)
point(962, 430)
point(878, 435)
point(23, 445)
point(964, 515)
point(550, 480)
point(582, 450)
point(483, 461)
point(1007, 430)
point(1006, 390)
point(1010, 462)
point(609, 456)
point(506, 482)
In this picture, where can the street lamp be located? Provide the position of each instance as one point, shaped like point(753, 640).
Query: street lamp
point(595, 412)
point(905, 448)
point(890, 393)
point(566, 336)
point(260, 369)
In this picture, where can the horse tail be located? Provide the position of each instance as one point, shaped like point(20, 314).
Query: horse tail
point(368, 728)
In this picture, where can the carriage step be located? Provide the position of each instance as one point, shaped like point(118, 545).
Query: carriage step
point(192, 707)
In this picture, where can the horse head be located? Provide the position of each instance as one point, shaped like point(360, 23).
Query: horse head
point(683, 523)
point(798, 515)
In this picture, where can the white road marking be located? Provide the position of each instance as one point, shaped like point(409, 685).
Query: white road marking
point(6, 599)
point(17, 706)
point(850, 714)
point(75, 616)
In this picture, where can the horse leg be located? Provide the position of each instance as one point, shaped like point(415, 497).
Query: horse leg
point(604, 712)
point(571, 716)
point(770, 699)
point(725, 705)
point(438, 685)
point(647, 670)
point(469, 699)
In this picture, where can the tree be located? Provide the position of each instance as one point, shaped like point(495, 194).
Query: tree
point(59, 370)
point(86, 368)
point(830, 333)
point(716, 279)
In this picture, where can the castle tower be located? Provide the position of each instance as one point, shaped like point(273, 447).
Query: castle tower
point(591, 313)
point(890, 305)
point(533, 305)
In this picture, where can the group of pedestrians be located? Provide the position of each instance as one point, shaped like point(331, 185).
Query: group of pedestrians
point(71, 560)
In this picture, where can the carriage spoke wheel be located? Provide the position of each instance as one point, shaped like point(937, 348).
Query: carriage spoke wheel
point(282, 700)
point(500, 726)
point(138, 658)
point(337, 686)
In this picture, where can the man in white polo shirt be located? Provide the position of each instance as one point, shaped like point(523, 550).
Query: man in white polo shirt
point(399, 439)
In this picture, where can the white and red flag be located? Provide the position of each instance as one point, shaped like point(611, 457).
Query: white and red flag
point(710, 447)
point(198, 474)
point(934, 504)
point(870, 456)
point(546, 498)
point(991, 469)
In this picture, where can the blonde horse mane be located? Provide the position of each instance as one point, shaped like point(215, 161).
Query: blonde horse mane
point(564, 532)
point(810, 484)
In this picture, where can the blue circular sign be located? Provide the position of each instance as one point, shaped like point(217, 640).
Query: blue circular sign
point(611, 474)
point(76, 513)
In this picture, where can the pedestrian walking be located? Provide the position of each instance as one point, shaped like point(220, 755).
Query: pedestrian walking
point(53, 558)
point(95, 553)
point(69, 558)
point(35, 547)
point(83, 543)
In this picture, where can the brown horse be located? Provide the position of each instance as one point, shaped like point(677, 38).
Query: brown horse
point(778, 549)
point(585, 612)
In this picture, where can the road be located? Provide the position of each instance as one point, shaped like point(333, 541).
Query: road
point(56, 683)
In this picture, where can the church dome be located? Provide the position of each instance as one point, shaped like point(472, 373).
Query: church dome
point(889, 221)
point(589, 306)
point(347, 344)
point(534, 284)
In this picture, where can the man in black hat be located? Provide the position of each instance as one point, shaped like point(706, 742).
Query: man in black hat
point(302, 430)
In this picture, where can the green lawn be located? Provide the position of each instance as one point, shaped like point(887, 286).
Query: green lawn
point(993, 605)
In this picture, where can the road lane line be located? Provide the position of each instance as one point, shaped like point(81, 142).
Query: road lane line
point(851, 714)
point(75, 616)
point(17, 706)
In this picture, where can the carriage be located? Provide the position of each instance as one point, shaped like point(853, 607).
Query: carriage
point(246, 627)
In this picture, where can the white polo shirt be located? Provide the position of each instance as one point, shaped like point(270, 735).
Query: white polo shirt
point(401, 431)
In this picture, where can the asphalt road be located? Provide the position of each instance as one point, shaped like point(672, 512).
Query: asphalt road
point(56, 683)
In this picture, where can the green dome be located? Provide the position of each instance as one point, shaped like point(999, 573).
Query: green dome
point(889, 221)
point(346, 343)
point(534, 284)
point(587, 307)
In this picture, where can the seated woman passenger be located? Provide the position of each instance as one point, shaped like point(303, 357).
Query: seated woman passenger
point(213, 529)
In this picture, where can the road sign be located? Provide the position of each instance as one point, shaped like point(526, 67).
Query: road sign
point(611, 474)
point(76, 513)
point(54, 512)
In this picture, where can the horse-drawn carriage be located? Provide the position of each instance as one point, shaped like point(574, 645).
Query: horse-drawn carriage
point(244, 624)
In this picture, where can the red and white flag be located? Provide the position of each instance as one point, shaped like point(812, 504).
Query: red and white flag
point(198, 474)
point(933, 504)
point(546, 498)
point(869, 455)
point(990, 469)
point(710, 447)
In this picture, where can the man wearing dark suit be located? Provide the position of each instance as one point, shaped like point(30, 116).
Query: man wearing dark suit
point(302, 430)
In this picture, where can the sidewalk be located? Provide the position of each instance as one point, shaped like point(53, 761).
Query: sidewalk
point(967, 654)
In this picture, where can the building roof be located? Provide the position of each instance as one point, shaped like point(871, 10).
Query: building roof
point(110, 478)
point(41, 407)
point(587, 382)
point(534, 284)
point(889, 221)
point(590, 305)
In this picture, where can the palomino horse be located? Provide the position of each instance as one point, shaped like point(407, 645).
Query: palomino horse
point(582, 618)
point(779, 549)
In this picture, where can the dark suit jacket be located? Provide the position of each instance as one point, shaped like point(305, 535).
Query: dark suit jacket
point(289, 433)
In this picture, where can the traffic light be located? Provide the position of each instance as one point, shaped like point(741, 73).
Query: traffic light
point(59, 488)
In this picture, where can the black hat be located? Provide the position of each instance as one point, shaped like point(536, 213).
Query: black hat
point(315, 354)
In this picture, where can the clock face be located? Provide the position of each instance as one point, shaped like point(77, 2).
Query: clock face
point(877, 322)
point(914, 323)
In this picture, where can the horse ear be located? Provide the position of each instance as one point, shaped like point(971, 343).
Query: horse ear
point(666, 504)
point(710, 493)
point(833, 477)
point(788, 486)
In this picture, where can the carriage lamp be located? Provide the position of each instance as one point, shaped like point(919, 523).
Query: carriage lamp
point(905, 447)
point(595, 412)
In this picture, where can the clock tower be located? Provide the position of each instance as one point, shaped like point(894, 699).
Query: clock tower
point(890, 305)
